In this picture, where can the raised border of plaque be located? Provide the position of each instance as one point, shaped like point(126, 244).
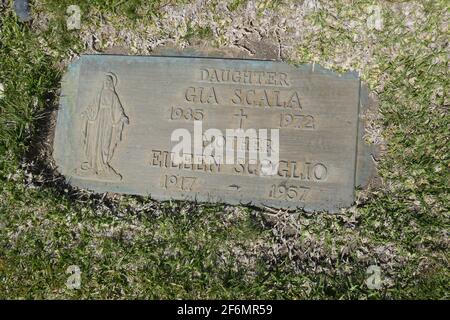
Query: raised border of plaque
point(117, 113)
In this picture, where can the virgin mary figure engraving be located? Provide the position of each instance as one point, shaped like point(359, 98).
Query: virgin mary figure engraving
point(103, 122)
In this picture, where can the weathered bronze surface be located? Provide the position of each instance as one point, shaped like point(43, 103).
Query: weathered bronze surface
point(117, 114)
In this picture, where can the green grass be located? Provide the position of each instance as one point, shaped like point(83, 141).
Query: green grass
point(130, 9)
point(199, 33)
point(235, 4)
point(133, 247)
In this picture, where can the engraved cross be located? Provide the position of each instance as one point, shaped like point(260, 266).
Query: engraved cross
point(241, 116)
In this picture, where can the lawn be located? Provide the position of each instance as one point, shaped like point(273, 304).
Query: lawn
point(135, 247)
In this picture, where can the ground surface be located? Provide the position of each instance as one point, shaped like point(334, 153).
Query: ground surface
point(133, 247)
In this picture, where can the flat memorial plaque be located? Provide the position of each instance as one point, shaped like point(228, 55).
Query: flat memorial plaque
point(118, 116)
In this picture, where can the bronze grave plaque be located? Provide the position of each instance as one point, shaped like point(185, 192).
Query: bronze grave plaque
point(234, 131)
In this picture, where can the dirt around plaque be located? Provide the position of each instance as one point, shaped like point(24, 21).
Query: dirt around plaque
point(213, 130)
